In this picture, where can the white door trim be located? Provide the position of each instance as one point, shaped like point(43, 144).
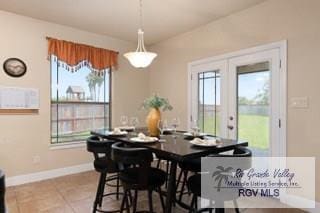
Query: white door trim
point(282, 46)
point(220, 66)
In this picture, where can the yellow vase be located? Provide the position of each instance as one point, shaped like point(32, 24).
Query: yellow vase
point(152, 120)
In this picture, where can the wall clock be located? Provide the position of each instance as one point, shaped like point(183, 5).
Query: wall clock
point(14, 67)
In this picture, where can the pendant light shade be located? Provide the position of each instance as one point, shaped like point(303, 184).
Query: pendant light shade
point(141, 58)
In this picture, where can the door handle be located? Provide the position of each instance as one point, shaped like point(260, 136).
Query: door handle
point(230, 127)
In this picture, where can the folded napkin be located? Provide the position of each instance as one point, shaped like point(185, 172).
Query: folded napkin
point(142, 136)
point(208, 142)
point(116, 131)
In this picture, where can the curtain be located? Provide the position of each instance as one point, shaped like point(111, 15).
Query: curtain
point(73, 56)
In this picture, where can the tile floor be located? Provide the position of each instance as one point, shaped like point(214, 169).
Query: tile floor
point(75, 194)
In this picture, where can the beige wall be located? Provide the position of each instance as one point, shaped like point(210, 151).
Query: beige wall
point(25, 136)
point(274, 20)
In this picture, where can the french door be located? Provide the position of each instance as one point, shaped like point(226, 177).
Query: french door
point(238, 97)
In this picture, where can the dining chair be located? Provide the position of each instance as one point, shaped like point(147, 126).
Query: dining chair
point(103, 164)
point(140, 176)
point(194, 182)
point(2, 192)
point(187, 166)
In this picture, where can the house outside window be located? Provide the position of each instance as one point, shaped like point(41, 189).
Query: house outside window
point(79, 103)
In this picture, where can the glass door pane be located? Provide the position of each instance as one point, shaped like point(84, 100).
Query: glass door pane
point(253, 106)
point(209, 102)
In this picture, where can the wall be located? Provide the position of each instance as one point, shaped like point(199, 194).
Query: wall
point(274, 20)
point(24, 136)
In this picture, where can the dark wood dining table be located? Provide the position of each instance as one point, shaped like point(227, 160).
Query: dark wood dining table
point(175, 148)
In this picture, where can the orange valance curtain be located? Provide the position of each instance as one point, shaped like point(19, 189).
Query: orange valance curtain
point(73, 56)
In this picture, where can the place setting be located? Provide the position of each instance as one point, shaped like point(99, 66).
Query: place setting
point(142, 138)
point(127, 124)
point(116, 132)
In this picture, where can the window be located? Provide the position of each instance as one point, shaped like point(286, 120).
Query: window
point(80, 102)
point(209, 102)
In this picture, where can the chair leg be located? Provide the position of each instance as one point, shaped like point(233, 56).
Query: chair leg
point(161, 199)
point(185, 175)
point(150, 201)
point(97, 199)
point(123, 200)
point(158, 163)
point(179, 178)
point(127, 201)
point(135, 198)
point(192, 204)
point(118, 184)
point(236, 208)
point(104, 176)
point(167, 172)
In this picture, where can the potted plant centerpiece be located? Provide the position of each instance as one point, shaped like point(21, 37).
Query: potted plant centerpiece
point(155, 104)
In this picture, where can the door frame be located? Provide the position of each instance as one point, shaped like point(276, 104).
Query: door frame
point(222, 66)
point(282, 46)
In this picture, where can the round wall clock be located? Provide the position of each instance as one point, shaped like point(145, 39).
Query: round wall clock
point(14, 67)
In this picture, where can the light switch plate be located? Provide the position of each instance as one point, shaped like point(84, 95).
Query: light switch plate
point(299, 102)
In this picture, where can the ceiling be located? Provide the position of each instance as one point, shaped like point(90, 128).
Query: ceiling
point(162, 19)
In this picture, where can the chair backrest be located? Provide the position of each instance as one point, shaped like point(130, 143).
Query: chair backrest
point(2, 192)
point(140, 158)
point(131, 155)
point(97, 145)
point(238, 152)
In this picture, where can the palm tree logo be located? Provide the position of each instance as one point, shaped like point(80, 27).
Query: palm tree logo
point(220, 175)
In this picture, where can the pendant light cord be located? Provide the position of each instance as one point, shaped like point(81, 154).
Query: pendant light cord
point(140, 13)
point(140, 47)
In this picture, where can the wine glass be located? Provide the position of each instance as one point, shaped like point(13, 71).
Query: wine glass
point(134, 121)
point(162, 126)
point(175, 124)
point(195, 128)
point(124, 120)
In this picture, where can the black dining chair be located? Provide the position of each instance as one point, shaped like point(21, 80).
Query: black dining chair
point(103, 164)
point(2, 192)
point(194, 182)
point(187, 166)
point(140, 176)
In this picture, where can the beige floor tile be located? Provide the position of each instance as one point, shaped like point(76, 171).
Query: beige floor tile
point(79, 193)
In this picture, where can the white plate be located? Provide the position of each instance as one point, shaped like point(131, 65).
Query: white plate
point(204, 144)
point(127, 128)
point(147, 140)
point(122, 133)
point(189, 134)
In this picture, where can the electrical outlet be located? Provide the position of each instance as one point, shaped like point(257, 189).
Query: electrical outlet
point(36, 159)
point(299, 102)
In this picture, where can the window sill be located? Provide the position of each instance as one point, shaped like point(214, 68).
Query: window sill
point(68, 145)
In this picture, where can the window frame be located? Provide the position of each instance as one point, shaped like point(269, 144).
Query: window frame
point(77, 143)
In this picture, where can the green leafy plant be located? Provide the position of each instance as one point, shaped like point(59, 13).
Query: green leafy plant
point(157, 102)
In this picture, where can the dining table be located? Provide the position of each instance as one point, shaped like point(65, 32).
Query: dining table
point(176, 148)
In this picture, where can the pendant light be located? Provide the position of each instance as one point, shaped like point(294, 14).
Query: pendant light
point(141, 58)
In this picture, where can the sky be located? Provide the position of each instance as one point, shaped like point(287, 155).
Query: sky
point(67, 78)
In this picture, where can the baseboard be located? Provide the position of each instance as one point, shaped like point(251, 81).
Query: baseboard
point(301, 203)
point(313, 210)
point(38, 176)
